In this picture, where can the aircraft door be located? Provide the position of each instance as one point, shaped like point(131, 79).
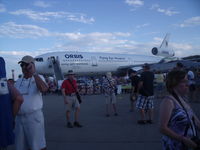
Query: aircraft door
point(94, 61)
point(130, 60)
point(51, 61)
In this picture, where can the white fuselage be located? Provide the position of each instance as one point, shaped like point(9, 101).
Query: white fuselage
point(83, 63)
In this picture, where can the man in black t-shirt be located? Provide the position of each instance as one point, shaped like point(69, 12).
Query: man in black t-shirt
point(134, 83)
point(146, 95)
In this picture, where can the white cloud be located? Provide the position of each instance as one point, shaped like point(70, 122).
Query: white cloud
point(194, 21)
point(16, 53)
point(114, 42)
point(96, 38)
point(142, 26)
point(42, 4)
point(32, 14)
point(135, 3)
point(181, 46)
point(13, 30)
point(46, 16)
point(154, 6)
point(2, 8)
point(183, 50)
point(168, 11)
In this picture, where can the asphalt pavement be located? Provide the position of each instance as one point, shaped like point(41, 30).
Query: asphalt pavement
point(100, 132)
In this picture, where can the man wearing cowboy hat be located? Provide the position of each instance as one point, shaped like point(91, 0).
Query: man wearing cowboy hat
point(29, 126)
point(69, 89)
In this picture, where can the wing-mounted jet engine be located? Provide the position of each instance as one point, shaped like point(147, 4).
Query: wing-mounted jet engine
point(163, 50)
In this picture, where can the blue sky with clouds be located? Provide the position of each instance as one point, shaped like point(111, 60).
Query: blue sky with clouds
point(118, 26)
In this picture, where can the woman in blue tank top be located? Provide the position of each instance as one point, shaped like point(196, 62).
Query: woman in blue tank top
point(178, 123)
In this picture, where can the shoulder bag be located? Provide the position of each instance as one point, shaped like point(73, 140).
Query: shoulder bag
point(77, 94)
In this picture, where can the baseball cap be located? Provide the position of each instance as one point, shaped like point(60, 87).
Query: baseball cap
point(27, 59)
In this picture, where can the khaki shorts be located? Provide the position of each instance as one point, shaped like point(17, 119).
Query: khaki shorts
point(72, 103)
point(111, 98)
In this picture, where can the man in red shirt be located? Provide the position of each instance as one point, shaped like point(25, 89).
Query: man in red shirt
point(69, 89)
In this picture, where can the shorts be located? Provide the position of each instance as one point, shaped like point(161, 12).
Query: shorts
point(145, 102)
point(111, 98)
point(29, 131)
point(72, 103)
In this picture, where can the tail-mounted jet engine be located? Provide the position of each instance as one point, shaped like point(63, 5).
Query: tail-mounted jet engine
point(162, 52)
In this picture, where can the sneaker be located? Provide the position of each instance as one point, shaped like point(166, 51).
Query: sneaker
point(141, 121)
point(116, 114)
point(149, 121)
point(107, 115)
point(69, 125)
point(77, 124)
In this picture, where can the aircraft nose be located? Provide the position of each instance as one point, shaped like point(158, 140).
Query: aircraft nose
point(37, 67)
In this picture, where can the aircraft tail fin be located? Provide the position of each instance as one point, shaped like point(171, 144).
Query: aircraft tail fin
point(164, 50)
point(165, 41)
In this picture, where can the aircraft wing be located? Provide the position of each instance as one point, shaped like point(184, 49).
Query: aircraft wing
point(167, 66)
point(162, 66)
point(123, 70)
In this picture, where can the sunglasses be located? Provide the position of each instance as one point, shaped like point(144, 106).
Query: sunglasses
point(24, 64)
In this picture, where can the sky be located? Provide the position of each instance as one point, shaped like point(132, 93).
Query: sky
point(34, 27)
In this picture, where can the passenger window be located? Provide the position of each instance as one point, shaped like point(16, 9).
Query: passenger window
point(39, 59)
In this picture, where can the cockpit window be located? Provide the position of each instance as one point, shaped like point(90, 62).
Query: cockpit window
point(39, 59)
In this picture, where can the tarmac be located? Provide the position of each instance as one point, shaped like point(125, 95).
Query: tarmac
point(100, 132)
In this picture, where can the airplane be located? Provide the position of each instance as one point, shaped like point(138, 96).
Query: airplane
point(87, 63)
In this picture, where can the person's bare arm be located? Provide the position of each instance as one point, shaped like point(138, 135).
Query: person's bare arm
point(41, 85)
point(64, 96)
point(17, 99)
point(140, 84)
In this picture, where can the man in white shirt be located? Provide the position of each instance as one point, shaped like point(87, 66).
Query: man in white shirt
point(29, 127)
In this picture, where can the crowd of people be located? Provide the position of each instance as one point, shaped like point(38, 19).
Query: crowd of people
point(89, 85)
point(21, 104)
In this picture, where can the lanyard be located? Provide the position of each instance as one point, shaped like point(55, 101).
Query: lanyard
point(25, 90)
point(192, 122)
